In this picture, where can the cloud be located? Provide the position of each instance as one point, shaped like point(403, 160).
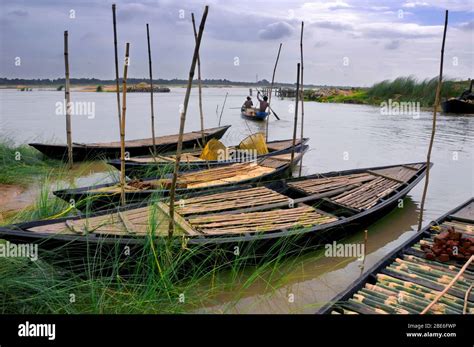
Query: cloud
point(319, 44)
point(326, 5)
point(467, 26)
point(399, 31)
point(394, 44)
point(413, 4)
point(275, 31)
point(18, 13)
point(339, 26)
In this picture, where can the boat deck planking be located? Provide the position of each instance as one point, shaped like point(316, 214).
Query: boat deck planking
point(408, 282)
point(242, 211)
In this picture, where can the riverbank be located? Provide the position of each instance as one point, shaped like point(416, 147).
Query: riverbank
point(402, 89)
point(160, 277)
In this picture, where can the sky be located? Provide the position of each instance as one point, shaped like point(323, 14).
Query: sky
point(346, 42)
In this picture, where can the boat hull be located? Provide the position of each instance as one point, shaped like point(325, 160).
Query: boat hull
point(83, 152)
point(260, 245)
point(457, 106)
point(382, 264)
point(137, 169)
point(93, 201)
point(254, 115)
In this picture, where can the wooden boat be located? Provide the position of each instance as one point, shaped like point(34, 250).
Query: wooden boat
point(306, 210)
point(107, 195)
point(190, 160)
point(463, 104)
point(253, 114)
point(103, 150)
point(458, 106)
point(406, 273)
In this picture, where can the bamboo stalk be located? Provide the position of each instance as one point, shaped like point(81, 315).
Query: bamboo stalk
point(455, 277)
point(68, 102)
point(366, 234)
point(222, 109)
point(151, 91)
point(464, 310)
point(117, 87)
point(302, 95)
point(122, 125)
point(201, 114)
point(295, 126)
point(433, 130)
point(271, 90)
point(182, 122)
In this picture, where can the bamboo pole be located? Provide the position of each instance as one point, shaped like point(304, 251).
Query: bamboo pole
point(453, 280)
point(433, 130)
point(117, 87)
point(222, 108)
point(302, 95)
point(182, 122)
point(67, 96)
point(271, 90)
point(366, 236)
point(122, 125)
point(466, 296)
point(151, 91)
point(201, 114)
point(295, 126)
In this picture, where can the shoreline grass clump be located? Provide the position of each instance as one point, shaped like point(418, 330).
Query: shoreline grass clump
point(413, 90)
point(19, 163)
point(407, 89)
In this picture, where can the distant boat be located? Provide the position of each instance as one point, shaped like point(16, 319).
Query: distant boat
point(91, 151)
point(254, 114)
point(458, 106)
point(463, 104)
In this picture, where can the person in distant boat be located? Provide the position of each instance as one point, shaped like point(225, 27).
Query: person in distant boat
point(263, 103)
point(467, 94)
point(248, 103)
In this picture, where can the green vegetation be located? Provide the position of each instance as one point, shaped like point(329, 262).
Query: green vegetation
point(400, 89)
point(410, 89)
point(99, 89)
point(20, 163)
point(158, 276)
point(59, 88)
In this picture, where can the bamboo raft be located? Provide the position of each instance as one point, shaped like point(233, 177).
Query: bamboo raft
point(257, 213)
point(92, 151)
point(406, 282)
point(107, 195)
point(141, 166)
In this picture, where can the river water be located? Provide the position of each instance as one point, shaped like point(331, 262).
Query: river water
point(342, 136)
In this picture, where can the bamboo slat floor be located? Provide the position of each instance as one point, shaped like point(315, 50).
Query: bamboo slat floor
point(206, 178)
point(253, 210)
point(230, 200)
point(369, 187)
point(277, 219)
point(409, 283)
